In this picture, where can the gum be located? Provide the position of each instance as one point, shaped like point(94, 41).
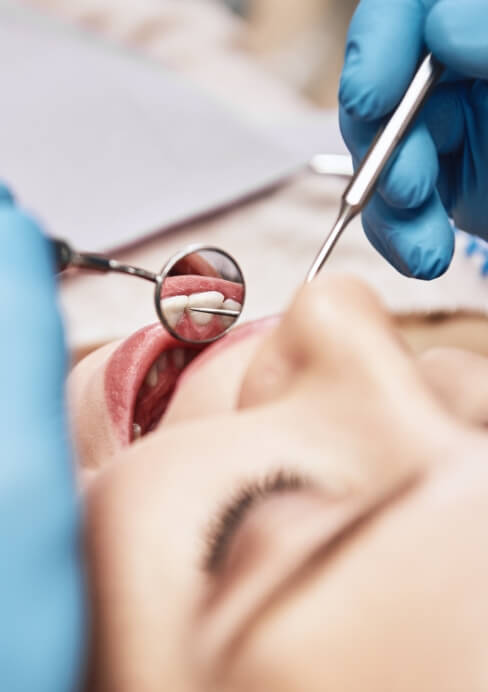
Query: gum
point(188, 284)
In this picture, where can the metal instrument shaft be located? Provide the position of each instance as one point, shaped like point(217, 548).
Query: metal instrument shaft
point(363, 183)
point(217, 311)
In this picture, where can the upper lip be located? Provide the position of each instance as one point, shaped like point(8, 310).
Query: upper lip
point(131, 361)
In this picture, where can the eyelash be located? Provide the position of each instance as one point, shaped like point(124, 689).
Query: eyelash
point(223, 529)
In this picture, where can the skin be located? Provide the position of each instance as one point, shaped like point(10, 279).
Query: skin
point(370, 577)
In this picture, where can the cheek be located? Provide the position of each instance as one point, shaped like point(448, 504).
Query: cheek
point(269, 376)
point(212, 387)
point(402, 605)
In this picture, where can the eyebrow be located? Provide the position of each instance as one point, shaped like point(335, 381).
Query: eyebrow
point(312, 561)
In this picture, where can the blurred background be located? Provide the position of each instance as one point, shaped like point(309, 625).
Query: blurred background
point(213, 145)
point(301, 41)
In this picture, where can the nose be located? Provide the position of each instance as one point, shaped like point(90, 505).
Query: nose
point(335, 328)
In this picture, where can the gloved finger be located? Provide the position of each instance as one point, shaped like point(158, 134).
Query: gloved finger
point(446, 182)
point(410, 177)
point(456, 33)
point(469, 176)
point(444, 116)
point(384, 45)
point(418, 243)
point(32, 352)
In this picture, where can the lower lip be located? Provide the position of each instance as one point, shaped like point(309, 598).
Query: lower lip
point(125, 373)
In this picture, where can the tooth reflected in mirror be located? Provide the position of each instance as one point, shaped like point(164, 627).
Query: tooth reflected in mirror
point(201, 295)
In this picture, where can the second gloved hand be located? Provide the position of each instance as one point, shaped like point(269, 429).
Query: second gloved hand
point(441, 168)
point(41, 575)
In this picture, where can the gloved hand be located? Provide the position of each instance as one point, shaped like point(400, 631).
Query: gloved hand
point(441, 169)
point(41, 585)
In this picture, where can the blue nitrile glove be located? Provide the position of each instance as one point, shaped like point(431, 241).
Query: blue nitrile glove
point(441, 168)
point(41, 584)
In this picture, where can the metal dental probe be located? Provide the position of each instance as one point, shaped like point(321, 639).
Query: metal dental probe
point(363, 182)
point(217, 311)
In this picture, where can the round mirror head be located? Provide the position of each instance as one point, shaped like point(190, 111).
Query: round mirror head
point(200, 294)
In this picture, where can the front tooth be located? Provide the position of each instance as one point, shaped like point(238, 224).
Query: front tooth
point(152, 376)
point(230, 304)
point(209, 299)
point(179, 358)
point(136, 431)
point(173, 308)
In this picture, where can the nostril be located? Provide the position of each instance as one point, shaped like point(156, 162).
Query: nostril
point(323, 332)
point(288, 351)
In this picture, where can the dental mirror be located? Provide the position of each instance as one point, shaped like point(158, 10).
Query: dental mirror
point(200, 294)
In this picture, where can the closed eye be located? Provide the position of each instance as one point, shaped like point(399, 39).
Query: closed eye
point(220, 533)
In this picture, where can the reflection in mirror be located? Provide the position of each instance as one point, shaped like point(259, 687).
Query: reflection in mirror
point(201, 295)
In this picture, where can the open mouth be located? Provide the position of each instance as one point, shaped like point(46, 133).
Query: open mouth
point(157, 389)
point(142, 373)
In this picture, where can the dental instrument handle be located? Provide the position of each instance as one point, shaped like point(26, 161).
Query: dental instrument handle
point(62, 254)
point(363, 183)
point(65, 256)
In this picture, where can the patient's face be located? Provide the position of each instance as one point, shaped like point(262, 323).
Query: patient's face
point(307, 515)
